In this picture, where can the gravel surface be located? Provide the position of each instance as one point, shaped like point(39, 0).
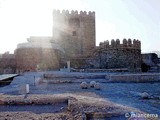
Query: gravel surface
point(121, 93)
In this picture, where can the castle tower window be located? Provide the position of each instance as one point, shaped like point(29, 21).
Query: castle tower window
point(74, 33)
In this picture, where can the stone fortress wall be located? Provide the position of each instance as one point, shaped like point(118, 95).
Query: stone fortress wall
point(115, 44)
point(7, 63)
point(34, 59)
point(73, 39)
point(115, 55)
point(39, 53)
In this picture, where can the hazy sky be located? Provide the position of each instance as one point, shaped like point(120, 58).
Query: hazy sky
point(135, 19)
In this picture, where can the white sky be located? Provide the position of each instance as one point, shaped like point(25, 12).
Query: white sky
point(135, 19)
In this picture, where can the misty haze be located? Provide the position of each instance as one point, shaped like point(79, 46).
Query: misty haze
point(79, 60)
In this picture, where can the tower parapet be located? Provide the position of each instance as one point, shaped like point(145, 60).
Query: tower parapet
point(115, 44)
point(73, 13)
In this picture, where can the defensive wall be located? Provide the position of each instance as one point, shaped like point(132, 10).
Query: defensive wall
point(7, 63)
point(119, 55)
point(115, 55)
point(126, 44)
point(37, 54)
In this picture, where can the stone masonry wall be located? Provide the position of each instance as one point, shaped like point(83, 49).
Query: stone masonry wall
point(114, 56)
point(7, 63)
point(33, 59)
point(74, 32)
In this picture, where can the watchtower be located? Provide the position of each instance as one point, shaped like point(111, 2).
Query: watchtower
point(74, 32)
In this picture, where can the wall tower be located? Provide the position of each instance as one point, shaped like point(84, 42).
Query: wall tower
point(74, 32)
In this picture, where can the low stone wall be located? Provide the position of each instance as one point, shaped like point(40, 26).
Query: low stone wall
point(147, 77)
point(101, 70)
point(76, 76)
point(78, 106)
point(31, 100)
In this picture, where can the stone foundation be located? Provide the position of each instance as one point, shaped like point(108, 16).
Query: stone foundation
point(150, 77)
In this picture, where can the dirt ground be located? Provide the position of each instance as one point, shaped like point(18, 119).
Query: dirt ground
point(123, 94)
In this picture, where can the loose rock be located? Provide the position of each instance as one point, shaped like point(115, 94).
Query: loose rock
point(84, 85)
point(144, 95)
point(92, 83)
point(97, 86)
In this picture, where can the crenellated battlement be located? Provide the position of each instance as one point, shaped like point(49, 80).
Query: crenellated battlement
point(73, 12)
point(131, 44)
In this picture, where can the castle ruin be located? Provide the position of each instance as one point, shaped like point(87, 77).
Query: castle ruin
point(74, 38)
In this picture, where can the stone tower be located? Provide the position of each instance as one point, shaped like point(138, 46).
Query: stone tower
point(74, 32)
